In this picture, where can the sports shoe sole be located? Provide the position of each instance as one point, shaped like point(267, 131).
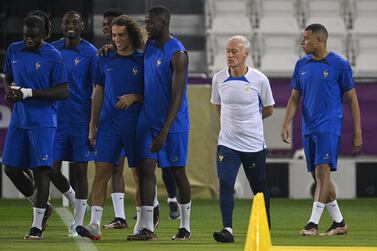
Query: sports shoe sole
point(83, 232)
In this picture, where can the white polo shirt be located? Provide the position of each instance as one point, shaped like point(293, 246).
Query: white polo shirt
point(241, 100)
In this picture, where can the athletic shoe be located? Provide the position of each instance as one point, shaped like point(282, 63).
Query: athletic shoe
point(337, 229)
point(143, 235)
point(156, 216)
point(182, 235)
point(34, 234)
point(223, 236)
point(47, 215)
point(72, 231)
point(91, 231)
point(117, 223)
point(310, 229)
point(173, 211)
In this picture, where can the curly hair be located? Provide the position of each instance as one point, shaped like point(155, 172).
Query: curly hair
point(134, 31)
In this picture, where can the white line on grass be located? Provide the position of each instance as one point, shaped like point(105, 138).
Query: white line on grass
point(84, 244)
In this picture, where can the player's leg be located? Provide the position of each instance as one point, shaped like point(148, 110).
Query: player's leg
point(170, 186)
point(117, 197)
point(228, 164)
point(136, 176)
point(254, 165)
point(61, 182)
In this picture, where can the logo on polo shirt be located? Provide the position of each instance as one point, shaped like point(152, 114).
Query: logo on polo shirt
point(159, 62)
point(37, 66)
point(325, 73)
point(77, 61)
point(135, 71)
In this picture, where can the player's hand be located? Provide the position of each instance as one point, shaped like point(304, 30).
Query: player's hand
point(14, 94)
point(126, 101)
point(356, 143)
point(92, 135)
point(285, 135)
point(105, 49)
point(158, 142)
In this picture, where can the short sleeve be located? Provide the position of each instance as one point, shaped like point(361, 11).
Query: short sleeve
point(266, 96)
point(7, 69)
point(295, 81)
point(99, 78)
point(59, 74)
point(215, 96)
point(346, 80)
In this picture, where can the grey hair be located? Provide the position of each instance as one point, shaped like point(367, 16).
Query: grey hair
point(245, 41)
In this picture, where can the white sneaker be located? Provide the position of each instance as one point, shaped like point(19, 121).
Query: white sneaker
point(72, 231)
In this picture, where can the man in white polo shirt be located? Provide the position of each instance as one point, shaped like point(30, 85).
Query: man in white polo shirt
point(243, 98)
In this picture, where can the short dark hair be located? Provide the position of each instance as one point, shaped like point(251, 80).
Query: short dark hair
point(34, 22)
point(318, 29)
point(133, 29)
point(112, 13)
point(45, 18)
point(73, 12)
point(161, 11)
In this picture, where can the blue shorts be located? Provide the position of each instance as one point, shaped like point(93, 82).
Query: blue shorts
point(110, 147)
point(72, 144)
point(29, 148)
point(321, 148)
point(172, 154)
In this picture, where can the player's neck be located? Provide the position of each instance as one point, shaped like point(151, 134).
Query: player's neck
point(238, 71)
point(126, 52)
point(320, 54)
point(164, 38)
point(72, 43)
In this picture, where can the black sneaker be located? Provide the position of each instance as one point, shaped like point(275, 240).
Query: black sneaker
point(156, 216)
point(34, 234)
point(143, 235)
point(337, 228)
point(47, 215)
point(182, 235)
point(173, 211)
point(223, 236)
point(310, 229)
point(117, 223)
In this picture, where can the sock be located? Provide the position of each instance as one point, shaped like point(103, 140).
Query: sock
point(229, 229)
point(80, 208)
point(96, 215)
point(316, 212)
point(185, 210)
point(71, 196)
point(38, 214)
point(155, 201)
point(33, 198)
point(118, 203)
point(334, 211)
point(174, 199)
point(138, 220)
point(146, 218)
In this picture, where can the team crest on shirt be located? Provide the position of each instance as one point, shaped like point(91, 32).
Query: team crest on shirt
point(77, 61)
point(246, 89)
point(37, 66)
point(135, 71)
point(159, 62)
point(325, 73)
point(221, 157)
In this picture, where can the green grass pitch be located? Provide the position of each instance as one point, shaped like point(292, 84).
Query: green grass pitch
point(288, 217)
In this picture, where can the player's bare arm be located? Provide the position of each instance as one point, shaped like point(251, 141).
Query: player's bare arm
point(289, 114)
point(127, 100)
point(179, 64)
point(267, 111)
point(58, 92)
point(96, 108)
point(355, 112)
point(218, 110)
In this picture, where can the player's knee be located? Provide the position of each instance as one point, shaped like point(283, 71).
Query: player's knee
point(259, 186)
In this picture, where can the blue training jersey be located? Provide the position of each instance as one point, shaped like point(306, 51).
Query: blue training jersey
point(119, 75)
point(42, 69)
point(158, 86)
point(80, 64)
point(322, 85)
